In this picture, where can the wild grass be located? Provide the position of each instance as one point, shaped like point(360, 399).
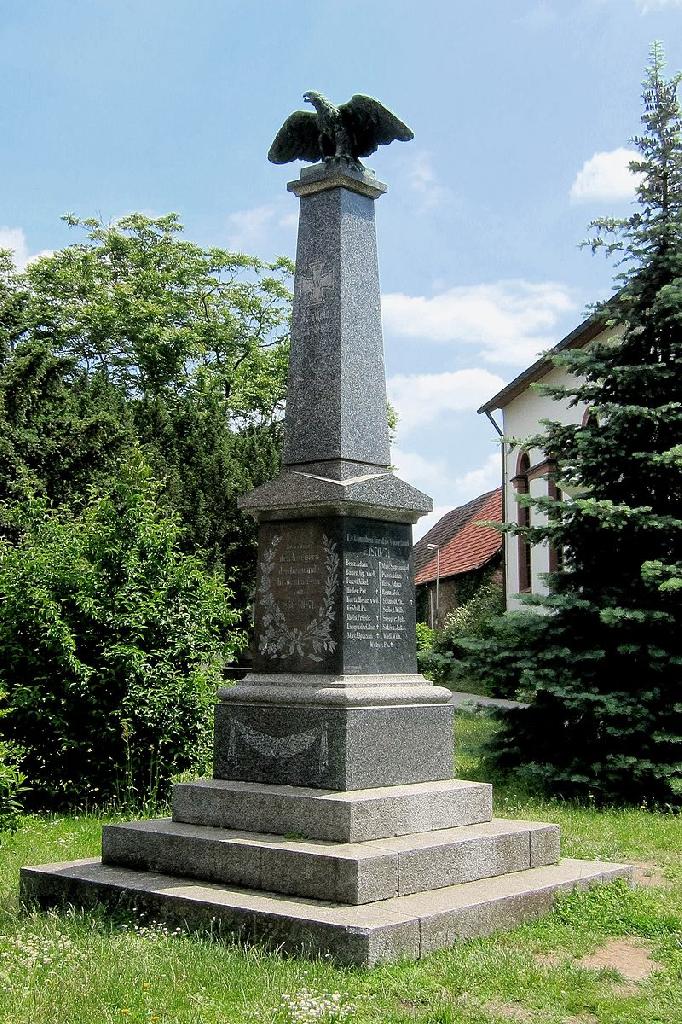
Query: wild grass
point(87, 969)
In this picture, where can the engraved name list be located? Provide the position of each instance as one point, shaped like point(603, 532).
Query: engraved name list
point(378, 593)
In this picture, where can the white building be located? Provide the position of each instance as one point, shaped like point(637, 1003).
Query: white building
point(529, 471)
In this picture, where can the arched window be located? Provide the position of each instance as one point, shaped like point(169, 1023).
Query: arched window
point(556, 554)
point(590, 418)
point(523, 518)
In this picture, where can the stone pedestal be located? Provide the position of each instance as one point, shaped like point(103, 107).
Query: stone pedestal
point(333, 747)
point(335, 699)
point(332, 824)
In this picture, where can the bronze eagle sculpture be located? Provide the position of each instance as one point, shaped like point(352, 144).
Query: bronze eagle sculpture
point(347, 132)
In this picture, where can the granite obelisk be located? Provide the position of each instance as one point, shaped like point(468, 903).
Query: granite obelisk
point(335, 700)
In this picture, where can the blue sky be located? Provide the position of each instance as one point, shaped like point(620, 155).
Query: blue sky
point(522, 112)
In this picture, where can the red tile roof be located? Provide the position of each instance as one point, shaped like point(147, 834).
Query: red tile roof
point(464, 543)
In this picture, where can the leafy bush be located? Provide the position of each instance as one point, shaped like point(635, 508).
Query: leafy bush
point(425, 637)
point(12, 780)
point(134, 335)
point(472, 617)
point(112, 642)
point(444, 656)
point(439, 666)
point(436, 666)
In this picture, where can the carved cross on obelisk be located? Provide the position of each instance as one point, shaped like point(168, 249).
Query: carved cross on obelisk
point(312, 288)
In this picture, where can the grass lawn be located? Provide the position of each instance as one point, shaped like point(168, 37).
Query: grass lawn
point(80, 969)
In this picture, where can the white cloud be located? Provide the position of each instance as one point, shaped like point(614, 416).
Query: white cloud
point(420, 398)
point(260, 228)
point(429, 475)
point(433, 477)
point(423, 180)
point(656, 5)
point(606, 177)
point(508, 321)
point(15, 239)
point(289, 220)
point(483, 478)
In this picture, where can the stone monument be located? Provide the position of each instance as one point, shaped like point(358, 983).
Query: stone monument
point(333, 823)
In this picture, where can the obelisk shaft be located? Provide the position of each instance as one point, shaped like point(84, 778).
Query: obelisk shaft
point(336, 399)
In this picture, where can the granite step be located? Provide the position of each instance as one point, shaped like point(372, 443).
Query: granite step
point(339, 816)
point(405, 926)
point(342, 872)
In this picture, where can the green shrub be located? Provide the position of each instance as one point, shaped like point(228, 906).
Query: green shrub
point(12, 779)
point(472, 617)
point(425, 637)
point(112, 643)
point(439, 666)
point(446, 659)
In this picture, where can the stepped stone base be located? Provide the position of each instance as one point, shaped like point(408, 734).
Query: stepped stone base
point(339, 816)
point(404, 926)
point(364, 876)
point(341, 872)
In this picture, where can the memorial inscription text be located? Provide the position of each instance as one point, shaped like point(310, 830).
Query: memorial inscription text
point(378, 590)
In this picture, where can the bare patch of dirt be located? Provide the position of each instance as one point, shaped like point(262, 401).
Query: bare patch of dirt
point(648, 873)
point(584, 1018)
point(510, 1011)
point(630, 957)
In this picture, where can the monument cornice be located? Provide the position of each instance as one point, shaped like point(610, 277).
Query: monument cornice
point(297, 494)
point(339, 173)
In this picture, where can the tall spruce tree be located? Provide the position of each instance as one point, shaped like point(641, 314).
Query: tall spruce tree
point(605, 664)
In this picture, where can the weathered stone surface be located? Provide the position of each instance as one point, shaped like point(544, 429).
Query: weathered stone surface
point(344, 817)
point(323, 176)
point(336, 399)
point(545, 845)
point(324, 489)
point(432, 861)
point(335, 592)
point(405, 926)
point(352, 876)
point(340, 689)
point(340, 872)
point(333, 747)
point(480, 908)
point(337, 310)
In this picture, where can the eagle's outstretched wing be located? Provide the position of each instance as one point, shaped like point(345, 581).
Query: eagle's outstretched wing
point(297, 139)
point(370, 124)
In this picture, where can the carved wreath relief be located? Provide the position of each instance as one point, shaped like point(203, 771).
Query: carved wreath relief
point(278, 638)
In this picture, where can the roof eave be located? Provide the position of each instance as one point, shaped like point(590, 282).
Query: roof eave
point(462, 572)
point(578, 337)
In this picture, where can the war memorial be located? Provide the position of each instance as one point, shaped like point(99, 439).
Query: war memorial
point(332, 823)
